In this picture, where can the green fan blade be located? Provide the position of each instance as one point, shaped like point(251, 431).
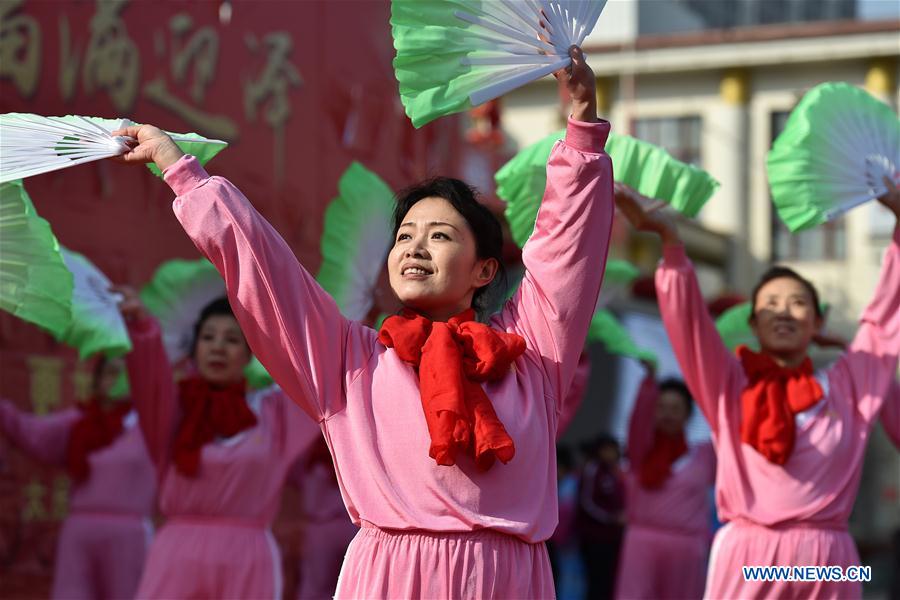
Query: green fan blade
point(96, 325)
point(356, 239)
point(606, 329)
point(256, 374)
point(203, 149)
point(35, 284)
point(734, 327)
point(647, 168)
point(837, 145)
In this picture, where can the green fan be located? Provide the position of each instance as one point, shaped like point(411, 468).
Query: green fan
point(606, 329)
point(179, 291)
point(356, 239)
point(837, 146)
point(456, 54)
point(734, 327)
point(35, 284)
point(96, 324)
point(647, 168)
point(33, 144)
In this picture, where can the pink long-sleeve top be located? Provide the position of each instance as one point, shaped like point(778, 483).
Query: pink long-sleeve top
point(575, 396)
point(241, 477)
point(366, 400)
point(819, 482)
point(681, 504)
point(122, 480)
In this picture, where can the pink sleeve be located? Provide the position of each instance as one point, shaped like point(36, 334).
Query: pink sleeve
point(575, 396)
point(297, 430)
point(890, 413)
point(709, 369)
point(292, 325)
point(43, 438)
point(870, 362)
point(152, 389)
point(642, 424)
point(566, 254)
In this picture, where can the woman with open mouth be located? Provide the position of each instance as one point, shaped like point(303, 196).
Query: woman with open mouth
point(442, 428)
point(789, 442)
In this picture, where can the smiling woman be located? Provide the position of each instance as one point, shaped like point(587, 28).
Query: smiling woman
point(437, 423)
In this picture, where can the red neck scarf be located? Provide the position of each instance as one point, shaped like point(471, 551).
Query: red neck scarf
point(452, 359)
point(96, 429)
point(773, 395)
point(657, 466)
point(207, 413)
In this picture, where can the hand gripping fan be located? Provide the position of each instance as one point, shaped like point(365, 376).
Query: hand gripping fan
point(838, 144)
point(97, 324)
point(605, 328)
point(456, 54)
point(179, 291)
point(355, 240)
point(33, 144)
point(35, 284)
point(647, 168)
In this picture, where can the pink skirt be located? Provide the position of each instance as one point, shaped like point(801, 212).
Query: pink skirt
point(659, 564)
point(741, 543)
point(434, 565)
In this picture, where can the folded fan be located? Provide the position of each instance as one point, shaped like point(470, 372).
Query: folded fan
point(97, 324)
point(456, 54)
point(838, 144)
point(356, 239)
point(177, 293)
point(647, 168)
point(33, 144)
point(35, 284)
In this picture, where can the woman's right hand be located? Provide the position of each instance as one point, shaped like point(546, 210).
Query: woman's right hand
point(639, 212)
point(153, 145)
point(131, 307)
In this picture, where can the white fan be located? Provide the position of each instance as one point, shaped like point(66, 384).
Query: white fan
point(456, 54)
point(33, 144)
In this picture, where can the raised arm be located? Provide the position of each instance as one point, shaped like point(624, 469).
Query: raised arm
point(709, 369)
point(871, 360)
point(641, 426)
point(152, 388)
point(292, 325)
point(43, 438)
point(566, 255)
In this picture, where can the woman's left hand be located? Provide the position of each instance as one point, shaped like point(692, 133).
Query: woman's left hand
point(580, 81)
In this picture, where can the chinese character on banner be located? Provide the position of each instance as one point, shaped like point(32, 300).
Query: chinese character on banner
point(46, 382)
point(20, 48)
point(60, 498)
point(192, 63)
point(272, 87)
point(35, 493)
point(112, 62)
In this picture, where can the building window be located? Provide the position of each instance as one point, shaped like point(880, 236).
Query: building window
point(823, 242)
point(680, 136)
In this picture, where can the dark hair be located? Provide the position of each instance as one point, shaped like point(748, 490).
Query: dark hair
point(779, 272)
point(673, 384)
point(484, 225)
point(218, 307)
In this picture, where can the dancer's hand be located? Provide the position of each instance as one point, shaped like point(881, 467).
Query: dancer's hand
point(131, 307)
point(153, 145)
point(580, 81)
point(891, 198)
point(637, 209)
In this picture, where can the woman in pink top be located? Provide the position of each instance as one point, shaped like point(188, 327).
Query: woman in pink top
point(222, 456)
point(462, 528)
point(667, 498)
point(103, 542)
point(789, 444)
